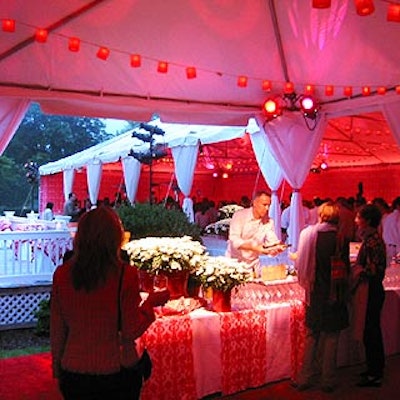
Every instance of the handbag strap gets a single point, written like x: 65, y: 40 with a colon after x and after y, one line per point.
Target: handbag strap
x: 121, y: 277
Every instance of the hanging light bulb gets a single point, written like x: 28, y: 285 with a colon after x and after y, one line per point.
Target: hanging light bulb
x: 242, y: 81
x: 324, y: 165
x: 8, y: 25
x: 103, y: 53
x: 191, y: 72
x: 136, y: 60
x: 41, y: 35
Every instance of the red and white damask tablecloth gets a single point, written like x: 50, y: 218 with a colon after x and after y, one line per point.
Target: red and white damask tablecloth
x: 204, y: 352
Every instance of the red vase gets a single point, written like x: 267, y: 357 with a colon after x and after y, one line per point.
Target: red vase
x: 221, y: 300
x: 177, y: 284
x: 146, y: 281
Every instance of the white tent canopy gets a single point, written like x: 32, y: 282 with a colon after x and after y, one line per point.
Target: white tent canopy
x: 262, y: 44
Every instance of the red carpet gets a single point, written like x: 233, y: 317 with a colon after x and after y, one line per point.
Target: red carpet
x: 28, y: 378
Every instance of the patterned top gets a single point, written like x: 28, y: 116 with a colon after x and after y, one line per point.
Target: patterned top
x: 372, y: 256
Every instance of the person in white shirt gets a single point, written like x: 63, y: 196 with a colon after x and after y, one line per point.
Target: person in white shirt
x: 252, y: 232
x: 48, y: 214
x: 391, y: 231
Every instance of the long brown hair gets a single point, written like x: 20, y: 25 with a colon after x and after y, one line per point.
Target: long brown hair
x: 96, y: 248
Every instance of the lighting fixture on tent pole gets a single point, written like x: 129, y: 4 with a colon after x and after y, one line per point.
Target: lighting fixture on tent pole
x: 290, y: 101
x: 154, y: 152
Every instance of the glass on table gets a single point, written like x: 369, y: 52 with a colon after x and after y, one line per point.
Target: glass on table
x: 160, y: 282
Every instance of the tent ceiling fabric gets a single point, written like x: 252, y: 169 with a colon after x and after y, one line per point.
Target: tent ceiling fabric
x: 222, y: 40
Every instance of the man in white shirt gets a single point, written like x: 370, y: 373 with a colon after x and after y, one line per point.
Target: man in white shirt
x: 391, y: 231
x: 251, y: 232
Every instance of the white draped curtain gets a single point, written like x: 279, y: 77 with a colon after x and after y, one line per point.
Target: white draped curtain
x: 294, y: 146
x: 93, y: 175
x: 12, y: 111
x: 271, y: 171
x: 68, y: 181
x: 185, y: 159
x: 131, y: 169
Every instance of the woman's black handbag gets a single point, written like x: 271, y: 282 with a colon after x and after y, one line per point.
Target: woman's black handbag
x: 145, y: 365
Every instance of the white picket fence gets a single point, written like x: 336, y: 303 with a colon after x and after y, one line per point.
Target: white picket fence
x: 27, y: 262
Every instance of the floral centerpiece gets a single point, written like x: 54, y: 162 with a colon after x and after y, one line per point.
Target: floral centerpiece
x: 228, y: 210
x: 173, y: 257
x: 167, y: 254
x: 221, y: 227
x: 223, y: 273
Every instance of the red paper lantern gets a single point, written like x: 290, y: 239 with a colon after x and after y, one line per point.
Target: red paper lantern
x: 162, y: 67
x: 381, y: 90
x: 309, y: 89
x: 8, y: 25
x: 266, y: 85
x: 364, y: 7
x: 288, y: 88
x: 398, y: 89
x: 74, y: 44
x: 103, y: 53
x: 366, y: 90
x: 191, y: 72
x: 393, y: 14
x: 136, y: 60
x: 321, y: 3
x: 242, y: 81
x: 41, y: 35
x: 348, y: 91
x: 329, y: 90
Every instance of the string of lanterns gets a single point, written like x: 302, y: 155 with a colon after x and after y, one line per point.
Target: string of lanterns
x: 363, y: 8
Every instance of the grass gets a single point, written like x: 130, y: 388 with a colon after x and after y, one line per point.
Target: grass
x: 23, y: 352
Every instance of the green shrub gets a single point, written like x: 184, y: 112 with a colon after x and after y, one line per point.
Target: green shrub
x: 144, y: 219
x: 43, y: 319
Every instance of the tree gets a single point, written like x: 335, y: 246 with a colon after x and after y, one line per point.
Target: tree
x: 43, y: 138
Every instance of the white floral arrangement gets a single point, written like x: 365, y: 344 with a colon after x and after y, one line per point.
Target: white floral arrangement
x: 223, y: 273
x: 219, y: 227
x: 168, y: 254
x: 230, y: 209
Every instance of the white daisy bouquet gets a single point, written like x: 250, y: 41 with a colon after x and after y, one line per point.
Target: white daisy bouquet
x: 223, y: 273
x: 168, y: 254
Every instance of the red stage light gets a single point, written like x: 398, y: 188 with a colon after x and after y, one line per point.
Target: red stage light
x: 308, y: 106
x: 103, y: 53
x: 364, y: 7
x: 191, y: 72
x: 162, y: 67
x: 8, y: 25
x: 136, y: 60
x: 271, y: 109
x: 74, y: 44
x: 41, y: 35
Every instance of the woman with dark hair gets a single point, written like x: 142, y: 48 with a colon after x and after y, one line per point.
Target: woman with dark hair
x: 96, y: 314
x: 322, y: 264
x: 368, y: 274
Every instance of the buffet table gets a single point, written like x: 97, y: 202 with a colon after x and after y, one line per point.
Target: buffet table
x: 260, y: 341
